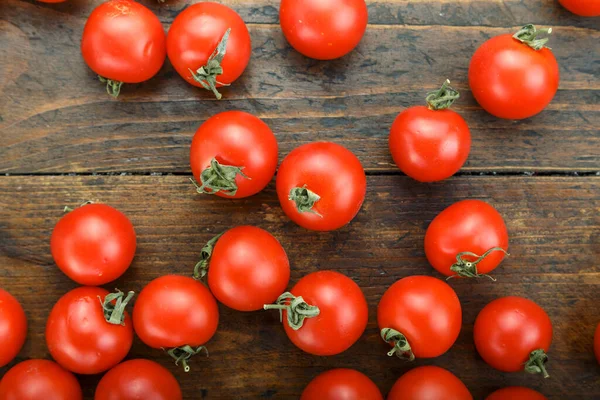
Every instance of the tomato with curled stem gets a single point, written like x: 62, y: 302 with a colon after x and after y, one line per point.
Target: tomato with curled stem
x: 324, y: 314
x: 583, y: 8
x: 234, y: 155
x: 516, y: 393
x: 13, y: 327
x: 430, y: 383
x: 341, y: 384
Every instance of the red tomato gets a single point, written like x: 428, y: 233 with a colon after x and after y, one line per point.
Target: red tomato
x: 177, y: 313
x: 341, y: 384
x: 325, y: 313
x: 209, y: 45
x: 597, y: 343
x: 39, y: 379
x: 233, y: 154
x: 420, y: 316
x: 511, y: 79
x: 93, y: 244
x: 321, y: 186
x: 584, y: 8
x: 431, y: 143
x: 513, y: 333
x: 247, y: 268
x: 516, y: 393
x: 323, y: 29
x: 467, y: 239
x: 13, y: 327
x: 429, y: 383
x: 85, y: 336
x: 138, y: 379
x: 123, y: 42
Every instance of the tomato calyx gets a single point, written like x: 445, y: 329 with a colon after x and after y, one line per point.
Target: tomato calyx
x: 207, y: 74
x: 401, y: 347
x: 468, y: 269
x: 184, y: 353
x: 528, y: 35
x: 296, y: 308
x: 305, y: 199
x: 68, y: 209
x: 113, y: 88
x: 443, y: 97
x: 201, y: 268
x: 219, y: 178
x: 114, y: 306
x: 536, y: 363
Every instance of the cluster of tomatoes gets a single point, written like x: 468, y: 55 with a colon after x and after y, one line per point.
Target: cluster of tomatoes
x: 320, y: 186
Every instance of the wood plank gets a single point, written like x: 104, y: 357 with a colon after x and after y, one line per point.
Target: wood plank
x: 554, y: 226
x: 56, y: 118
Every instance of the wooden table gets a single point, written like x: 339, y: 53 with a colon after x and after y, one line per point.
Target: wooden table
x: 65, y: 141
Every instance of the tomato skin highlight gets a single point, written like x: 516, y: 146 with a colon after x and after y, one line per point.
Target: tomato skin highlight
x: 429, y: 383
x: 124, y: 41
x: 323, y: 29
x: 597, y: 343
x: 511, y: 80
x: 39, y: 379
x: 341, y: 384
x: 583, y: 8
x: 516, y: 393
x: 138, y: 379
x: 508, y: 329
x: 429, y: 145
x: 239, y: 139
x: 94, y: 244
x: 13, y: 327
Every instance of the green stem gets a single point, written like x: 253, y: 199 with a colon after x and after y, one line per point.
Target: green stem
x: 207, y: 74
x: 113, y: 88
x: 468, y: 269
x: 401, y: 347
x: 114, y: 306
x: 443, y: 97
x: 305, y: 199
x: 219, y: 178
x: 536, y: 363
x: 528, y: 35
x: 85, y: 203
x: 296, y: 308
x: 201, y: 268
x: 184, y: 353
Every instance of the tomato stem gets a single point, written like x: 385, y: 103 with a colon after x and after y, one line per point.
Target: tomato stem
x: 296, y: 308
x: 401, y: 347
x: 443, y: 97
x: 305, y: 199
x: 528, y: 35
x: 184, y: 353
x: 114, y: 313
x: 68, y: 209
x: 207, y: 74
x: 468, y: 269
x: 536, y: 363
x: 219, y: 178
x: 113, y: 88
x: 201, y: 268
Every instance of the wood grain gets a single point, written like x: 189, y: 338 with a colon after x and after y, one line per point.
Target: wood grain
x: 554, y: 226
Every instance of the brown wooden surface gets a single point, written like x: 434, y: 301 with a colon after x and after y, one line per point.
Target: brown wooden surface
x: 67, y: 142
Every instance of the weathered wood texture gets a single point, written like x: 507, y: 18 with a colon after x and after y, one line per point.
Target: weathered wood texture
x: 56, y: 117
x: 555, y: 248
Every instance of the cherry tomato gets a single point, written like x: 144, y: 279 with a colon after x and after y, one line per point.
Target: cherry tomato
x: 513, y: 333
x: 516, y: 393
x: 39, y: 379
x: 321, y: 186
x: 583, y: 8
x: 93, y: 244
x: 177, y: 313
x: 431, y: 143
x: 209, y: 45
x: 341, y: 384
x: 89, y: 331
x: 514, y: 78
x: 325, y: 313
x: 467, y: 239
x: 233, y: 154
x: 138, y: 379
x: 597, y: 343
x: 123, y: 42
x: 429, y: 383
x: 13, y: 327
x: 420, y: 317
x: 323, y: 29
x: 247, y: 268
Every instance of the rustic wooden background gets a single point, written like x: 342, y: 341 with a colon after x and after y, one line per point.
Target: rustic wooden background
x: 65, y: 141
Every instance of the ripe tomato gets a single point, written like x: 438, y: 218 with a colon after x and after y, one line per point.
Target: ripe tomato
x: 420, y: 317
x: 584, y: 8
x: 514, y: 78
x: 123, y: 42
x: 247, y: 268
x: 89, y: 331
x: 516, y: 393
x: 325, y: 313
x: 323, y: 29
x: 321, y: 186
x: 233, y: 154
x: 138, y: 379
x: 177, y: 313
x: 209, y: 45
x: 429, y: 383
x: 93, y: 244
x: 431, y: 143
x: 341, y: 384
x: 13, y: 327
x: 39, y: 379
x: 467, y: 239
x: 597, y: 343
x: 513, y: 333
